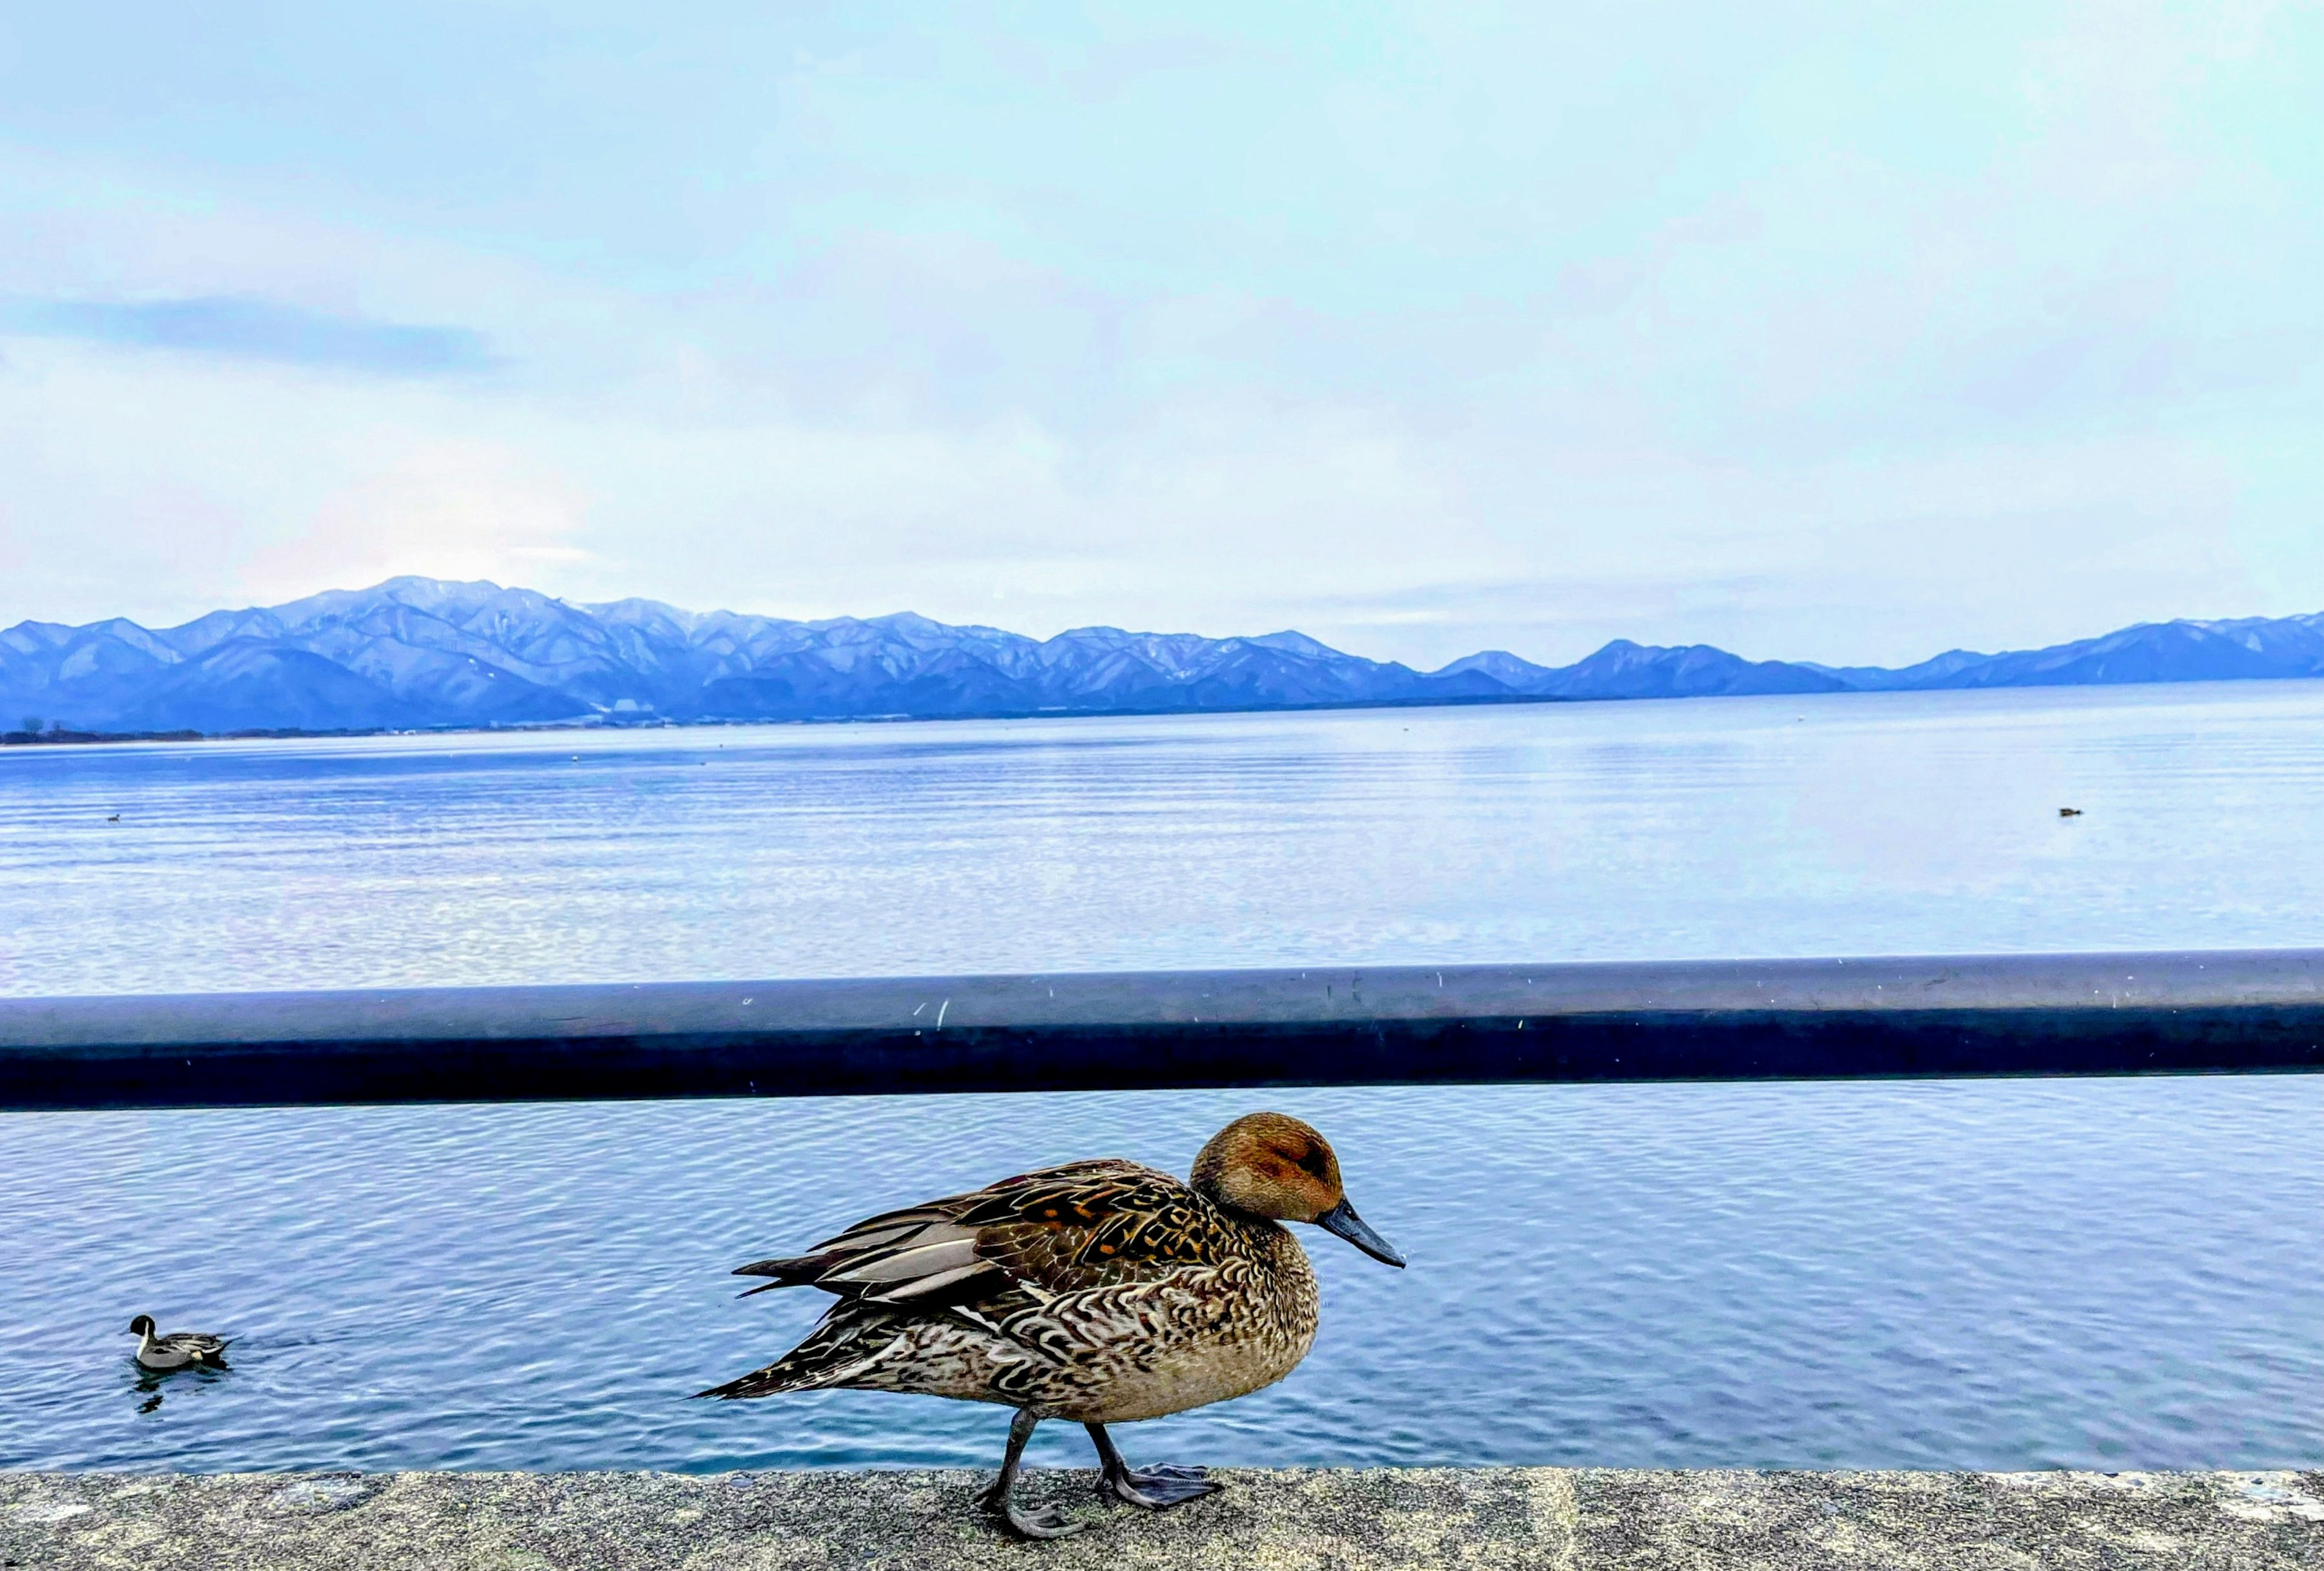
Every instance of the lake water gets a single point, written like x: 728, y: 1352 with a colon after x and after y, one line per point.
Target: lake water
x: 2101, y: 1273
x: 2108, y: 1273
x: 1855, y: 824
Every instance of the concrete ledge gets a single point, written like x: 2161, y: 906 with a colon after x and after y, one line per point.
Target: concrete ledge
x: 1581, y: 1519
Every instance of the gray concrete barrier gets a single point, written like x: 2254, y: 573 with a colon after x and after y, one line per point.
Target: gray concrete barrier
x: 1585, y: 1519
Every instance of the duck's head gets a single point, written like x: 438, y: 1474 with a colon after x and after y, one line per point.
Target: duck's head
x: 141, y: 1326
x: 1270, y: 1164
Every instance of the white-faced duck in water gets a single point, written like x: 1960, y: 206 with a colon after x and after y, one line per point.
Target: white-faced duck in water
x: 178, y: 1350
x: 1101, y: 1292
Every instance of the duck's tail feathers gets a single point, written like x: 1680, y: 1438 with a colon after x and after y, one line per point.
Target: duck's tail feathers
x: 770, y: 1382
x: 848, y: 1342
x: 798, y: 1271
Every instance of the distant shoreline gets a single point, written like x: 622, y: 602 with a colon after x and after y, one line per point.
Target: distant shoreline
x: 69, y: 738
x: 76, y: 738
x: 607, y: 723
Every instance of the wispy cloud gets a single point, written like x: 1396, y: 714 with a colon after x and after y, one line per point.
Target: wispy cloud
x: 1418, y: 329
x: 256, y: 329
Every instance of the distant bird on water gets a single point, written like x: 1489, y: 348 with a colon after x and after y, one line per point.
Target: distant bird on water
x: 1102, y: 1292
x: 178, y: 1350
x: 2069, y: 812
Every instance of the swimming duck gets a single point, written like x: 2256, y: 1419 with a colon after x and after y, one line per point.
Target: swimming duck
x: 1102, y: 1292
x: 178, y: 1350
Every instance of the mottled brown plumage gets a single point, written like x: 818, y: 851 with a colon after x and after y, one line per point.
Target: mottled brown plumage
x: 1099, y: 1291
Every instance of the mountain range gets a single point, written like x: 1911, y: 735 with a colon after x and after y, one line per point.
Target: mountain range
x: 418, y: 652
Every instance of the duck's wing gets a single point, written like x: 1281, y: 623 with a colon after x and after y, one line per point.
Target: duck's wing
x: 1083, y: 1224
x: 1091, y: 1225
x: 191, y: 1344
x: 980, y: 1295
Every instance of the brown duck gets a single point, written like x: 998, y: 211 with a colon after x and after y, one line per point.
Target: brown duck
x: 1102, y: 1292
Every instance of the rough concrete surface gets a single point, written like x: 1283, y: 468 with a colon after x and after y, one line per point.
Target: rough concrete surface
x: 1581, y: 1519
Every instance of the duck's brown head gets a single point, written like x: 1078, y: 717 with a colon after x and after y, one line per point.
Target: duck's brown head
x: 141, y: 1326
x: 1271, y: 1164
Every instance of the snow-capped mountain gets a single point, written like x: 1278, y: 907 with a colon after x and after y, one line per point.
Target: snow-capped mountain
x: 424, y: 652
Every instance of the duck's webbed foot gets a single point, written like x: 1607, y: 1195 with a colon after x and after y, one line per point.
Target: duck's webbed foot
x: 1047, y: 1521
x: 1158, y: 1487
x: 1042, y: 1523
x: 1154, y: 1488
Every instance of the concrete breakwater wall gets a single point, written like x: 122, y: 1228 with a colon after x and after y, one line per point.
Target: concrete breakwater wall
x: 1576, y: 1519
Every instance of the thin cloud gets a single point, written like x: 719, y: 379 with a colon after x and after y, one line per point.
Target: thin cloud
x: 257, y: 329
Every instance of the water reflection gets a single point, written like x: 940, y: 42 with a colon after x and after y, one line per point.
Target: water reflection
x: 155, y: 1384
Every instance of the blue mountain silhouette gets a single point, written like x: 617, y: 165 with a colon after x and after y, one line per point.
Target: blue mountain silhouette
x: 423, y: 652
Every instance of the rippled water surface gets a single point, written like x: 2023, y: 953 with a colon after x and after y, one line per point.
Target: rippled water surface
x: 2098, y: 1273
x: 2108, y: 1273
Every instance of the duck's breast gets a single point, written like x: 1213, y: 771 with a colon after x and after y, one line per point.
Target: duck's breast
x: 1203, y: 1337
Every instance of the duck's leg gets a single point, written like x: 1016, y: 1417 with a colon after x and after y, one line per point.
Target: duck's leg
x: 1162, y: 1484
x: 1048, y: 1522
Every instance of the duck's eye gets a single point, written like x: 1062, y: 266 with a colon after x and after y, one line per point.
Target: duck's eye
x: 1313, y: 1161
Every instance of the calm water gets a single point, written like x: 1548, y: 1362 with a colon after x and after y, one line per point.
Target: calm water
x: 1854, y: 825
x: 2111, y: 1273
x: 2105, y: 1273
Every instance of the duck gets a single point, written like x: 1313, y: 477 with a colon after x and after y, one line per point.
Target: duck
x: 1097, y: 1292
x: 179, y: 1349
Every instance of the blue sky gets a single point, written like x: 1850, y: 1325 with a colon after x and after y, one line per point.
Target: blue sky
x: 1842, y: 332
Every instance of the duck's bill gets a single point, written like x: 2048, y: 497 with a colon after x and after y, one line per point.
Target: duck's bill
x: 1343, y: 1220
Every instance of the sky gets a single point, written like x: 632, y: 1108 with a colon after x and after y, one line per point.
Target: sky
x: 1844, y: 332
